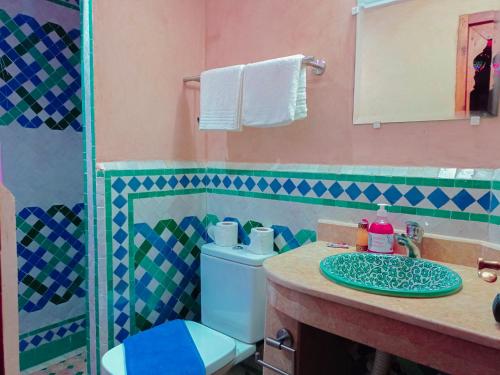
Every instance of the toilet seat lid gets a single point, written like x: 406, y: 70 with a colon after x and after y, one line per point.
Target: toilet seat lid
x: 216, y: 350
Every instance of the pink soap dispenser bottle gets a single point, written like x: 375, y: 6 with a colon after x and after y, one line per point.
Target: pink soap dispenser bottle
x: 381, y: 233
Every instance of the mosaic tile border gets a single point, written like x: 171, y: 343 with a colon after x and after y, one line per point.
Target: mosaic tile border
x: 53, y: 332
x: 120, y: 193
x: 51, y: 350
x: 445, y: 198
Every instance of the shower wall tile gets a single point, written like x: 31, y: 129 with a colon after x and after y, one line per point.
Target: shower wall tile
x: 51, y: 254
x: 41, y: 137
x: 40, y: 74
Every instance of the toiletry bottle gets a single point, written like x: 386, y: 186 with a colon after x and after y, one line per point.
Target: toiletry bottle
x: 362, y: 236
x: 381, y: 233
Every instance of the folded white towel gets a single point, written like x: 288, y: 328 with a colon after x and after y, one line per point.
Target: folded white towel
x: 274, y: 92
x: 220, y: 98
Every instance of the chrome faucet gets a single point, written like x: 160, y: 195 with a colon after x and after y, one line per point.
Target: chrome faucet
x: 412, y: 239
x: 483, y: 265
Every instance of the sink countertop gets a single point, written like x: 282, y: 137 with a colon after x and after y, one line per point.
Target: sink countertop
x: 466, y: 314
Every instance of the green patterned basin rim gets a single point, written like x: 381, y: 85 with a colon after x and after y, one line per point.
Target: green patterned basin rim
x: 391, y: 275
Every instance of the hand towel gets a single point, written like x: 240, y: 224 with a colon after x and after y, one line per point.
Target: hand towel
x: 220, y: 99
x: 164, y: 349
x: 274, y: 92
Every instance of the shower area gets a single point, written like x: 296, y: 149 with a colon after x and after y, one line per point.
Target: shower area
x: 41, y: 158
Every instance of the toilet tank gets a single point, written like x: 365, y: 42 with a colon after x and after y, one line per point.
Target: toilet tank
x: 233, y: 291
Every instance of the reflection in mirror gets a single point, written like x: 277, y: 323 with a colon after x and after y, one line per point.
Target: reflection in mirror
x: 423, y: 60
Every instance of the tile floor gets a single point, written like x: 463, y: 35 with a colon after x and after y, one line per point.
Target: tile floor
x: 71, y: 366
x: 76, y: 366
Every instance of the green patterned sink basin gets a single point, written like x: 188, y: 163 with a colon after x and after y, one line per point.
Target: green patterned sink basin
x: 391, y: 275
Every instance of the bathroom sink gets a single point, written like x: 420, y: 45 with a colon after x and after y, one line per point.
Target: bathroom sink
x: 391, y: 275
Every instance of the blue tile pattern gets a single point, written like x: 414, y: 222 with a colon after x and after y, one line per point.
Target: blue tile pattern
x: 39, y: 74
x: 166, y: 262
x: 120, y: 189
x: 166, y: 274
x: 471, y: 200
x: 50, y: 256
x: 284, y: 238
x: 135, y: 305
x: 44, y: 336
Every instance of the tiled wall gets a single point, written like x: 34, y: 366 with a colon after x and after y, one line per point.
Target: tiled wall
x: 446, y: 201
x: 152, y: 220
x: 41, y: 138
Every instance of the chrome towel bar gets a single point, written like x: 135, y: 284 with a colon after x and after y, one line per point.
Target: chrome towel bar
x: 318, y: 65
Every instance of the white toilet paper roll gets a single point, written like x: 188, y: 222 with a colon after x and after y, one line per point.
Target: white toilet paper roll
x: 261, y: 240
x: 224, y: 233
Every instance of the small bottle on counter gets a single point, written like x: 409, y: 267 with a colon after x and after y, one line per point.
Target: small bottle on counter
x: 362, y: 236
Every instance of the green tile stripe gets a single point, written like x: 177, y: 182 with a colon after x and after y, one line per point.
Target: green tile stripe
x: 397, y: 180
x: 157, y: 194
x: 52, y: 326
x: 109, y: 261
x: 46, y: 352
x: 410, y: 181
x: 89, y: 168
x: 65, y: 4
x: 495, y: 220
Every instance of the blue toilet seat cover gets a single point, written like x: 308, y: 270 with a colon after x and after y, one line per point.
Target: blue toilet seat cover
x: 216, y: 350
x: 165, y: 349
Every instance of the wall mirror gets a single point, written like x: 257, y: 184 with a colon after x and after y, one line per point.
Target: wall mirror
x: 425, y: 60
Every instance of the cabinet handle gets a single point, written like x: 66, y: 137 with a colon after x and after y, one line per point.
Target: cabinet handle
x: 283, y: 341
x: 276, y: 344
x: 268, y: 366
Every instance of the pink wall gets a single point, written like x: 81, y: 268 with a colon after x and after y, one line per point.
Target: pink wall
x: 254, y: 30
x: 8, y: 283
x: 142, y: 49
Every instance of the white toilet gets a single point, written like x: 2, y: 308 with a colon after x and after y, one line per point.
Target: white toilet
x: 233, y: 301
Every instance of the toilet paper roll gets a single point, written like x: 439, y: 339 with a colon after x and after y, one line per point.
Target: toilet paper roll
x: 224, y: 233
x: 261, y: 240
